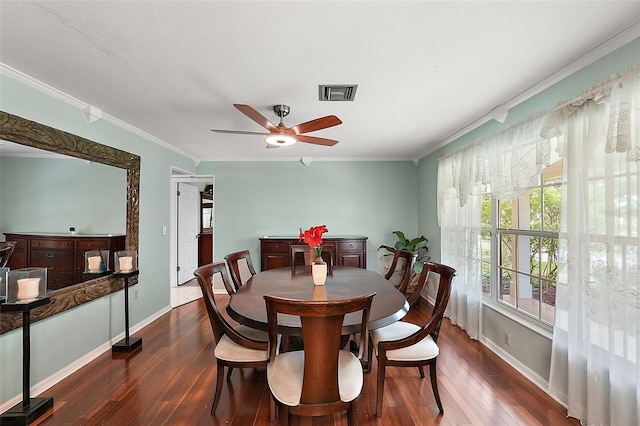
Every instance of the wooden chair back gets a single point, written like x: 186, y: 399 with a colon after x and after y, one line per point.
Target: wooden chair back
x: 432, y: 326
x: 6, y: 250
x: 234, y: 261
x: 302, y: 256
x: 219, y: 323
x: 416, y: 284
x: 404, y: 260
x: 321, y: 334
x: 445, y: 282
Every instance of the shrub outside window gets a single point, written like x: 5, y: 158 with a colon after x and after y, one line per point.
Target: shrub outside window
x: 524, y: 270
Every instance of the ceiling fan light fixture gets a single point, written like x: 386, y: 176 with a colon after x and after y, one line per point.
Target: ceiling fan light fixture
x: 280, y: 140
x: 282, y: 135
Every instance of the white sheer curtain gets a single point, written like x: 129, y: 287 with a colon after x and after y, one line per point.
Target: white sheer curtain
x: 460, y: 245
x: 597, y: 332
x: 594, y: 366
x: 506, y: 164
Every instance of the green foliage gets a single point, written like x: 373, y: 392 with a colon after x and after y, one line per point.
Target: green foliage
x: 544, y: 215
x: 416, y: 245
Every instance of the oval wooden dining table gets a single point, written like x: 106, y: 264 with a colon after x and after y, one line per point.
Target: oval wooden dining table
x: 247, y: 305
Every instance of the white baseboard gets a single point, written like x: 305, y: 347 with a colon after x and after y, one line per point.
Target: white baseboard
x: 65, y: 372
x: 521, y: 368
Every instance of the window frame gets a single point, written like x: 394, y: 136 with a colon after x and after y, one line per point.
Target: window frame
x: 495, y: 233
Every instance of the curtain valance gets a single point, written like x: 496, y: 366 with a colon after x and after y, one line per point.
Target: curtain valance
x: 508, y: 162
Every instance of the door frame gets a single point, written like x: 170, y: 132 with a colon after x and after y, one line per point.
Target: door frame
x: 179, y: 175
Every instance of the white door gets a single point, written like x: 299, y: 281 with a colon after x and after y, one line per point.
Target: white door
x: 188, y: 230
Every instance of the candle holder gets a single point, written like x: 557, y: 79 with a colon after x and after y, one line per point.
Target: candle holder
x: 126, y: 266
x: 26, y: 285
x: 125, y: 261
x: 96, y: 261
x: 22, y: 285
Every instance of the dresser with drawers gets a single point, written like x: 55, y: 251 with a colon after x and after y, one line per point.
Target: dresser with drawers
x: 62, y: 255
x: 275, y: 252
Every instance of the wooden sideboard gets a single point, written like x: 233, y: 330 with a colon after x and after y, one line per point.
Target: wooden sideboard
x: 205, y: 237
x: 62, y: 255
x: 205, y: 247
x: 275, y: 252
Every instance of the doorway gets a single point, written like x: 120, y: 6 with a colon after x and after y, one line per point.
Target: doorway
x: 188, y: 197
x: 186, y: 216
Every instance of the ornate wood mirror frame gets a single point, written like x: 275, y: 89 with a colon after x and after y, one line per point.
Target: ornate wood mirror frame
x: 25, y: 132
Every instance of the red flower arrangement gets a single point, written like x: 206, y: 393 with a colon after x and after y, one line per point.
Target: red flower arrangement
x: 313, y: 237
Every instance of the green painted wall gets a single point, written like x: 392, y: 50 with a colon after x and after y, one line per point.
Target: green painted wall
x: 60, y: 340
x: 254, y: 199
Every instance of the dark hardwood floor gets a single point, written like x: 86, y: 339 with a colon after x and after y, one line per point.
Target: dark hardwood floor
x: 170, y: 381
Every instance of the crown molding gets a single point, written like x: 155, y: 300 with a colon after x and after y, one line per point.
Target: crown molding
x: 609, y: 46
x: 315, y: 159
x: 84, y: 107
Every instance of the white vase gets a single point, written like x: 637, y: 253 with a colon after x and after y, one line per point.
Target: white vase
x: 319, y: 273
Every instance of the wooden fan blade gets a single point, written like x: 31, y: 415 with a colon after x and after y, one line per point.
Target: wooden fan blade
x: 238, y: 132
x: 250, y: 112
x: 317, y: 124
x: 316, y: 140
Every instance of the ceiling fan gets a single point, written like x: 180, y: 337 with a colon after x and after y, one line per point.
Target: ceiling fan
x: 281, y: 135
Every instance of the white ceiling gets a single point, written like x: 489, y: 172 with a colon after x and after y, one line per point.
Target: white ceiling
x: 424, y: 69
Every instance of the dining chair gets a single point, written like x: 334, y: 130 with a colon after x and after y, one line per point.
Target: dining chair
x: 403, y: 344
x: 236, y: 346
x: 320, y: 379
x: 235, y: 261
x: 6, y: 250
x: 304, y: 255
x: 402, y: 263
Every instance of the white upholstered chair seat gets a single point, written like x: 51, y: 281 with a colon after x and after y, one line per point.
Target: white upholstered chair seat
x: 229, y: 350
x: 424, y: 349
x: 284, y: 376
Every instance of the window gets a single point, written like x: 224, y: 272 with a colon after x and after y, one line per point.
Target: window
x: 519, y: 247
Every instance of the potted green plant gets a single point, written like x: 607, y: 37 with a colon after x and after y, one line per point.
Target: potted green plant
x: 416, y: 245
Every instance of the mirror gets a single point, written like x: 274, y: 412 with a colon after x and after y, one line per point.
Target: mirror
x: 62, y: 193
x: 25, y: 132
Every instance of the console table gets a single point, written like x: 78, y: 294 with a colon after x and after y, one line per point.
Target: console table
x: 61, y: 254
x: 350, y: 250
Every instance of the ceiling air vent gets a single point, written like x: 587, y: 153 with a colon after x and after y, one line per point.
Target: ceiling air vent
x: 337, y: 92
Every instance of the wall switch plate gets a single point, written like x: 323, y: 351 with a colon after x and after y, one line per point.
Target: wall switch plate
x: 164, y: 229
